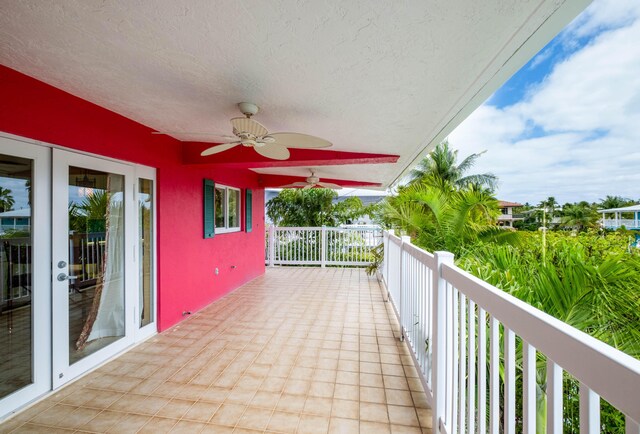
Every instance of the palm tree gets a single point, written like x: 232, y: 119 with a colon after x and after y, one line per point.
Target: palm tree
x: 441, y: 219
x: 6, y: 200
x: 442, y: 164
x: 614, y: 202
x: 579, y: 216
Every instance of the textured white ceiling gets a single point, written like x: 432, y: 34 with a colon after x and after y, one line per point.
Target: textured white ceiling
x: 370, y: 76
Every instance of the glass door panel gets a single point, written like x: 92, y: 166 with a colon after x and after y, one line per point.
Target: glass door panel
x: 145, y: 247
x: 25, y: 282
x: 96, y: 260
x: 16, y: 266
x: 93, y: 287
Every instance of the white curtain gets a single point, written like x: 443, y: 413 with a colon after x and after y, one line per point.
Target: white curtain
x: 110, y: 318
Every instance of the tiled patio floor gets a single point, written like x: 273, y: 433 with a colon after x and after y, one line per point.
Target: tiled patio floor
x: 298, y: 350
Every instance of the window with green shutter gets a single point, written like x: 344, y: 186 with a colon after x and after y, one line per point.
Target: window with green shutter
x: 209, y: 192
x: 248, y: 212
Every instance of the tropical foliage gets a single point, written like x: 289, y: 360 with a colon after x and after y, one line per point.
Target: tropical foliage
x: 583, y: 277
x: 313, y: 207
x: 6, y: 200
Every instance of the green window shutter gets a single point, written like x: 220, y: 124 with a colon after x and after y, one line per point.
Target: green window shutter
x: 248, y: 210
x: 209, y: 193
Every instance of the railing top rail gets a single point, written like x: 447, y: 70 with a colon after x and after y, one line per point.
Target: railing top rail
x: 427, y: 258
x: 395, y: 239
x: 609, y: 372
x: 328, y: 228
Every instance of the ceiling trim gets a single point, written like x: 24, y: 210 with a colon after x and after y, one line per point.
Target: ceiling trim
x: 242, y: 157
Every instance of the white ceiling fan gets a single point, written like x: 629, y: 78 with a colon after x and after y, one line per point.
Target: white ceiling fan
x: 311, y: 182
x: 253, y: 134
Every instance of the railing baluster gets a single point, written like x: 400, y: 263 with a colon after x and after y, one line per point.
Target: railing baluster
x: 494, y: 377
x: 471, y: 388
x: 462, y: 393
x: 589, y: 411
x: 509, y: 381
x: 455, y: 360
x: 482, y: 371
x: 529, y: 388
x: 554, y: 397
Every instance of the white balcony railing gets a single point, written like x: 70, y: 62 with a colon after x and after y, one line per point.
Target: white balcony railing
x: 455, y: 325
x: 616, y: 223
x: 321, y: 246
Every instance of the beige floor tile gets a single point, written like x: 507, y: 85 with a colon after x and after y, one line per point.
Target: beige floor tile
x: 372, y: 394
x: 373, y: 412
x: 367, y: 427
x: 403, y: 429
x: 129, y: 423
x: 267, y: 400
x: 283, y: 422
x: 310, y: 424
x: 318, y: 406
x: 290, y: 403
x: 346, y: 409
x: 399, y: 415
x: 255, y: 418
x: 201, y: 411
x: 187, y: 427
x: 399, y: 397
x: 228, y: 414
x: 158, y: 425
x: 343, y: 426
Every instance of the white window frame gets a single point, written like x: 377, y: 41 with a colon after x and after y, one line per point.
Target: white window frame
x: 226, y: 229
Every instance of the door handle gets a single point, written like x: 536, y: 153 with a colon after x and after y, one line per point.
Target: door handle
x: 62, y: 277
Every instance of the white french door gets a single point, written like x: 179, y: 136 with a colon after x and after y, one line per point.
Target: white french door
x: 25, y: 285
x: 77, y: 265
x: 94, y: 269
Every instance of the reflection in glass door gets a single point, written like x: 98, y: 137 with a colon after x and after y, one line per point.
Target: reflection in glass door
x: 96, y: 260
x: 16, y: 267
x: 25, y: 288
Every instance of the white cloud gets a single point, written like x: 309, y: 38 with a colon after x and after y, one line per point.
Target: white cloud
x: 585, y: 115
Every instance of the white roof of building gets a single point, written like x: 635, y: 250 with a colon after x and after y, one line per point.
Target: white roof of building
x: 631, y: 208
x: 26, y: 212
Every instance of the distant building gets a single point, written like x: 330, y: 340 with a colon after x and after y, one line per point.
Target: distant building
x: 15, y: 220
x: 614, y: 218
x: 507, y: 216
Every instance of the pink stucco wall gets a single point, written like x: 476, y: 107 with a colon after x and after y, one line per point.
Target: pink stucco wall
x: 186, y: 261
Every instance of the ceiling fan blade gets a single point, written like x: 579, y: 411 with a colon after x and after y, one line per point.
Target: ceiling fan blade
x: 308, y: 186
x: 329, y: 185
x: 297, y: 140
x: 295, y: 185
x: 273, y: 151
x: 219, y: 148
x: 194, y: 133
x: 248, y: 125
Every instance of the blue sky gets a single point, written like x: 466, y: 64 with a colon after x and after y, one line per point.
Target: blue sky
x: 566, y: 124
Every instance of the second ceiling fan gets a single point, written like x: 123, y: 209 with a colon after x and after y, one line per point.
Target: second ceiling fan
x: 312, y: 182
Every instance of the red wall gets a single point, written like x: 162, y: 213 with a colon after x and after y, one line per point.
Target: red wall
x: 186, y: 261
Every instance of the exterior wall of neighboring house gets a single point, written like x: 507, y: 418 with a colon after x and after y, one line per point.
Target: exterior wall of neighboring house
x: 186, y: 261
x: 507, y: 217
